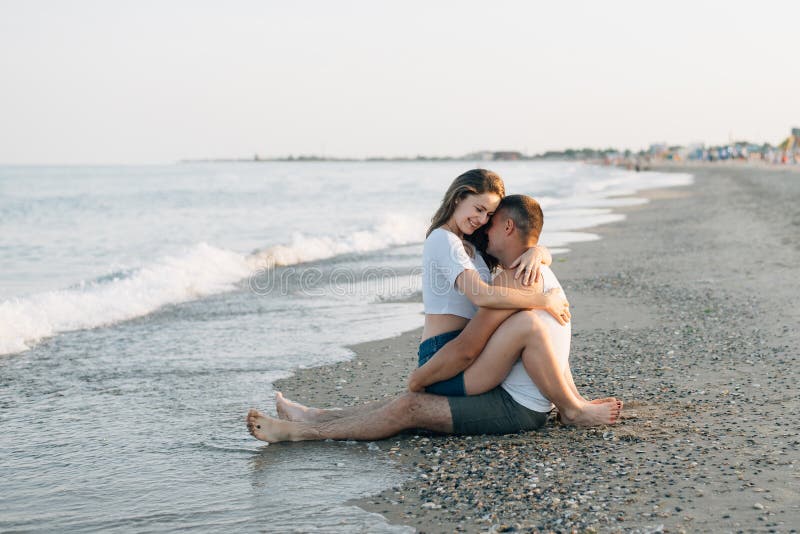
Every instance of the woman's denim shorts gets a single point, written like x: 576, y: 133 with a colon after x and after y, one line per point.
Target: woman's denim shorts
x: 452, y: 387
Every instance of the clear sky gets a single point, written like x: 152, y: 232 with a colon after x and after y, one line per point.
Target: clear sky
x: 144, y: 81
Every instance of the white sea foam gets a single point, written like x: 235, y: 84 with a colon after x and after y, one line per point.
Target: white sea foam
x: 393, y: 231
x: 203, y: 270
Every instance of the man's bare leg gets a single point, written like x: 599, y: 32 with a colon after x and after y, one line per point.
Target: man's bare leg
x: 290, y: 410
x: 294, y: 411
x: 525, y: 335
x: 410, y: 410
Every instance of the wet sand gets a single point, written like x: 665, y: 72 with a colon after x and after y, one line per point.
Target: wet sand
x: 688, y: 311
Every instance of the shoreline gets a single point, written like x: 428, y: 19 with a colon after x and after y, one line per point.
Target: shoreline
x: 692, y: 165
x: 667, y: 316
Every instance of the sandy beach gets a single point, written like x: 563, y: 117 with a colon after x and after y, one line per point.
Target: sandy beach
x: 687, y: 311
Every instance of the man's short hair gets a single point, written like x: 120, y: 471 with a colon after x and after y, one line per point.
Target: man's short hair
x: 526, y: 214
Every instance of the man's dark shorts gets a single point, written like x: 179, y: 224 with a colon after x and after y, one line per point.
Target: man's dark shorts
x: 493, y: 412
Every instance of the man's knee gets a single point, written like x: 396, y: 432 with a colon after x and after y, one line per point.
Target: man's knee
x: 407, y: 406
x: 420, y: 409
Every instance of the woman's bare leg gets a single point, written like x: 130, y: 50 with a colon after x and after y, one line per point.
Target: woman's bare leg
x: 525, y: 335
x: 503, y: 349
x: 574, y: 388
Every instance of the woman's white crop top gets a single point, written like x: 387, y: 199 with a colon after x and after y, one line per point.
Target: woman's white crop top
x: 443, y: 259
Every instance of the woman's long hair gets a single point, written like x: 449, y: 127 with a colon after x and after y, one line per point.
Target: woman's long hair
x: 474, y: 182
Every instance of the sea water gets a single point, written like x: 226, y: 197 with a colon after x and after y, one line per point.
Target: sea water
x: 144, y: 309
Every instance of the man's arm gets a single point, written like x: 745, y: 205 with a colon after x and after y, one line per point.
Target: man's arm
x: 459, y: 353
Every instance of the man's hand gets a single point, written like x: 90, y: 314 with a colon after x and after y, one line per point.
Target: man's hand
x: 557, y: 305
x: 529, y: 265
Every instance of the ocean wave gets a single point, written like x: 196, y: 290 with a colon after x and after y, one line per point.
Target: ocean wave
x: 393, y: 231
x: 202, y: 271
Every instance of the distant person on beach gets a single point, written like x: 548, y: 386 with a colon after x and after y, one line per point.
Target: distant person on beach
x: 473, y: 387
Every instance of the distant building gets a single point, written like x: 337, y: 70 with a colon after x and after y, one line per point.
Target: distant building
x: 506, y: 156
x: 792, y: 142
x: 483, y: 155
x: 696, y: 151
x: 790, y: 148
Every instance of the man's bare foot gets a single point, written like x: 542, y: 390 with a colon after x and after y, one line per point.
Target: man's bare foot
x: 266, y: 428
x: 293, y: 411
x: 605, y: 412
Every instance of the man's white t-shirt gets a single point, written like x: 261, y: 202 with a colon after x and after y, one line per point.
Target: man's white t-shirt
x: 518, y: 384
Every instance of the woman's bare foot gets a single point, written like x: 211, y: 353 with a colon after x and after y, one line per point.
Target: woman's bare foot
x: 604, y: 412
x: 607, y: 399
x: 266, y: 428
x: 293, y: 411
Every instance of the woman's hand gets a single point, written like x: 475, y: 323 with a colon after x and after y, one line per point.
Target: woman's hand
x: 414, y: 384
x: 530, y: 263
x: 556, y: 304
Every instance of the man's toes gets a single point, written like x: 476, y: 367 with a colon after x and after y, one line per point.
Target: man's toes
x: 252, y: 420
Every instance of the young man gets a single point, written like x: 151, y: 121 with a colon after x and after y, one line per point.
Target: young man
x: 529, y: 377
